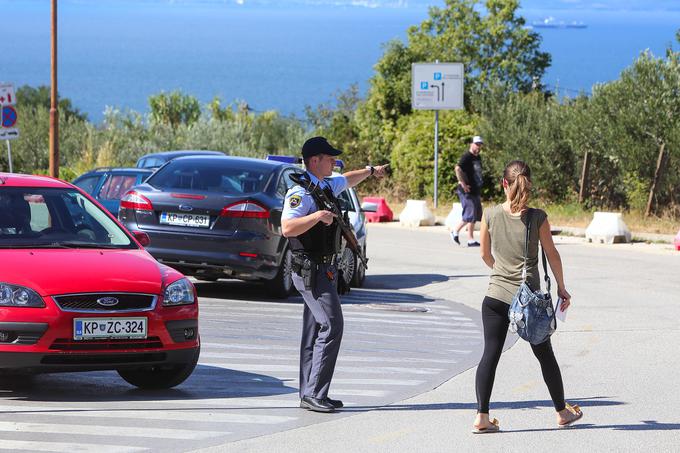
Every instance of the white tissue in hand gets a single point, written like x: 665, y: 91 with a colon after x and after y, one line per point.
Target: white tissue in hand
x: 559, y: 314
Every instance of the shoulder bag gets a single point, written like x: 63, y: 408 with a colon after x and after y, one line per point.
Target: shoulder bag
x: 531, y: 313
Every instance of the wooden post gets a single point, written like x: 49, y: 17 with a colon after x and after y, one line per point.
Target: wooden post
x: 582, y: 193
x: 54, y: 111
x: 660, y: 163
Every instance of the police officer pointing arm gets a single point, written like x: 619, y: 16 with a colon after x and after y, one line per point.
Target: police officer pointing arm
x: 315, y: 239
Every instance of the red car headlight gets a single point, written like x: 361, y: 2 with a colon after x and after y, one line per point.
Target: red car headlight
x: 19, y: 296
x: 180, y: 292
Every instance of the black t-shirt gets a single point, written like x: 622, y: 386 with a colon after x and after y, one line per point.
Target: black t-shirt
x: 472, y: 168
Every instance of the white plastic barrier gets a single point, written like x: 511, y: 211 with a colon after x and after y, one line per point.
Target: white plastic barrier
x: 415, y: 214
x: 455, y: 216
x: 607, y: 228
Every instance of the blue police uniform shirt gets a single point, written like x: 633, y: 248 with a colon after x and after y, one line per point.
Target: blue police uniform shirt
x: 299, y: 202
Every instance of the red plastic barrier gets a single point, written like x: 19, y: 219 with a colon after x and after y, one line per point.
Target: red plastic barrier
x: 677, y: 241
x: 383, y: 212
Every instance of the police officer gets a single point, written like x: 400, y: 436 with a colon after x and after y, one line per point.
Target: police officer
x: 315, y: 236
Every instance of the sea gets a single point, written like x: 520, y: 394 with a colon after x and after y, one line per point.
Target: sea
x: 116, y: 53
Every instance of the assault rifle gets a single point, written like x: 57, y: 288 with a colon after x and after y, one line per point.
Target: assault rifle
x: 325, y: 203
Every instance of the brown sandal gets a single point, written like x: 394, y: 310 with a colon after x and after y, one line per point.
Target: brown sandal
x: 493, y: 428
x: 576, y: 413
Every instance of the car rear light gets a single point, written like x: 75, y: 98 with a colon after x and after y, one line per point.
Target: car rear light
x: 134, y: 200
x: 245, y: 209
x: 188, y: 196
x: 143, y: 238
x: 248, y: 255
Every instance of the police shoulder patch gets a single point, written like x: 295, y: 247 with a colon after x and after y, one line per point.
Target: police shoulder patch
x: 294, y: 201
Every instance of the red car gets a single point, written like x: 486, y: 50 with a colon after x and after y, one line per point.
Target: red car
x: 78, y: 292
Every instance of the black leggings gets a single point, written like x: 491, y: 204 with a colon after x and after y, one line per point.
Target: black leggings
x: 495, y: 320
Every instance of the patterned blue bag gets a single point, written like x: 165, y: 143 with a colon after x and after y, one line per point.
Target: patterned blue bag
x: 531, y: 314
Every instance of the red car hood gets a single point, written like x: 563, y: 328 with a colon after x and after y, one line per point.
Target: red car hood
x: 51, y: 272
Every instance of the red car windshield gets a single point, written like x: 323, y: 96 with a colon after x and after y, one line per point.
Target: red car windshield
x: 55, y: 218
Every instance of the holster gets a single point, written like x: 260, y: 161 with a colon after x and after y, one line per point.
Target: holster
x: 305, y: 268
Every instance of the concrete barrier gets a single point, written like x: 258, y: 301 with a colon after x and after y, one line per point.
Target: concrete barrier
x: 676, y: 242
x: 415, y: 214
x: 607, y: 228
x: 382, y: 213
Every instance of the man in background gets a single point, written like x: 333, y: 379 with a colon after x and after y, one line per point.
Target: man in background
x: 469, y: 174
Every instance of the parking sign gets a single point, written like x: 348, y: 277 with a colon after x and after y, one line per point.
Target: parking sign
x: 437, y: 86
x: 8, y: 113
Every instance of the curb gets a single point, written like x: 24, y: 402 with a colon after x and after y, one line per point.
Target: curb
x: 581, y: 232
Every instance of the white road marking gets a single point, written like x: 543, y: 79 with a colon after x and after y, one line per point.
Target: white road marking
x: 107, y: 430
x: 66, y: 447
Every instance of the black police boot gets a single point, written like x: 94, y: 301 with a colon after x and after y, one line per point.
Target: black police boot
x: 316, y: 404
x: 335, y: 403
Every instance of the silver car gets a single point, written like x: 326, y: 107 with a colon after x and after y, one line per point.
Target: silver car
x: 352, y: 267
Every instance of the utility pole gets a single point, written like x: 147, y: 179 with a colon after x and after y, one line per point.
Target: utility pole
x: 54, y: 111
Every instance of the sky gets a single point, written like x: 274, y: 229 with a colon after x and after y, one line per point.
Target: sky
x: 590, y: 5
x: 601, y: 5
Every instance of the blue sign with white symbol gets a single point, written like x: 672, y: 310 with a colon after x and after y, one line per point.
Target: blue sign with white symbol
x: 437, y: 76
x: 79, y: 328
x: 423, y: 85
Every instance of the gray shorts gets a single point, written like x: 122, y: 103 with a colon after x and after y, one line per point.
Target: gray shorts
x: 472, y: 206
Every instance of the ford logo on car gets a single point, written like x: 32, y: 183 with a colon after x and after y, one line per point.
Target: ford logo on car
x: 185, y: 208
x: 107, y: 301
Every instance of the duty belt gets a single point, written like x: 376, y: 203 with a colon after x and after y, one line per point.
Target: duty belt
x: 318, y: 259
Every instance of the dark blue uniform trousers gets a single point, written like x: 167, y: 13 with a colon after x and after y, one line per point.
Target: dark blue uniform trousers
x: 322, y: 326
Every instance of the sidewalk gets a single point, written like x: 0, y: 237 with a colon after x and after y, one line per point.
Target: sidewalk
x: 617, y: 352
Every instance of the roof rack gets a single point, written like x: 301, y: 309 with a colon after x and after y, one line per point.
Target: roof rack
x: 296, y: 160
x: 119, y: 168
x: 285, y: 159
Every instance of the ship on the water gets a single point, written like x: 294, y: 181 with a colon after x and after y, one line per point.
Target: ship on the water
x: 550, y: 22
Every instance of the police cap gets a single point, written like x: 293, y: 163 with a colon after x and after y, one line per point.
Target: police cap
x: 318, y: 145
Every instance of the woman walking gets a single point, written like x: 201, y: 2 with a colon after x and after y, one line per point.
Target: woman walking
x: 502, y: 236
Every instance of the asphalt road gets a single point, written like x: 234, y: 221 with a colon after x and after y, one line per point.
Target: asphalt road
x: 398, y: 344
x: 407, y: 376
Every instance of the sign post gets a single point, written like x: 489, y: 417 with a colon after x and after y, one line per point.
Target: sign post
x: 54, y: 106
x: 8, y: 118
x: 437, y: 86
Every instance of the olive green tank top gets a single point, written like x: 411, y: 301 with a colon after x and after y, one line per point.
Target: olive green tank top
x: 508, y: 232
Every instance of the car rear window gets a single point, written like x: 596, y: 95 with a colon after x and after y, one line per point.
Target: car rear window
x: 224, y: 176
x: 151, y: 162
x: 87, y: 183
x: 116, y: 185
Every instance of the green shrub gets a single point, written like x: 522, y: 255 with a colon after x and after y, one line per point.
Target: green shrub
x: 413, y: 156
